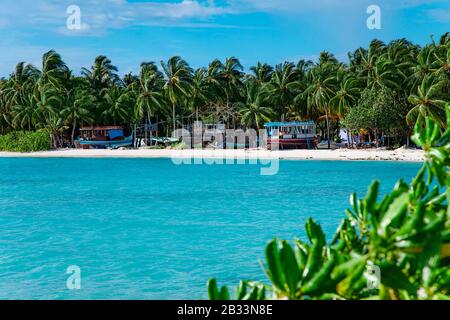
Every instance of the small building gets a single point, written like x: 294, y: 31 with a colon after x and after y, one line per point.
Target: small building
x: 292, y: 135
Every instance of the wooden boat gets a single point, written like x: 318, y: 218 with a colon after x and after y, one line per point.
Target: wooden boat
x: 103, y: 137
x: 165, y: 140
x: 113, y: 144
x: 291, y: 135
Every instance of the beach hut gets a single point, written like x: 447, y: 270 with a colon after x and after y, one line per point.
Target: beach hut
x: 291, y: 135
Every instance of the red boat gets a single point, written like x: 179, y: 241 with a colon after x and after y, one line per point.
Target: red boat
x: 291, y: 135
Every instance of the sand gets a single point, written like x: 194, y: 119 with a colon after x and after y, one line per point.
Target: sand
x: 341, y: 154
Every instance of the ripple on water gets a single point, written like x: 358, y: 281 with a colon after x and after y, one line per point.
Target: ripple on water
x: 147, y: 229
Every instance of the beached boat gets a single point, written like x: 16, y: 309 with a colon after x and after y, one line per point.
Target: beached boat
x: 166, y: 140
x: 126, y: 142
x: 103, y: 137
x: 324, y: 145
x: 291, y: 135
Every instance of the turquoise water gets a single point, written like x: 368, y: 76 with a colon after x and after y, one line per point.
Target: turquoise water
x: 148, y: 229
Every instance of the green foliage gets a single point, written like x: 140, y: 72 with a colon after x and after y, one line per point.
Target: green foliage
x: 402, y: 81
x: 25, y: 141
x: 405, y: 235
x: 253, y: 112
x: 379, y: 109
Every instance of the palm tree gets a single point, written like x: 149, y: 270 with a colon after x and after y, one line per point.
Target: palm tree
x: 212, y: 78
x: 54, y: 70
x: 423, y: 66
x: 363, y: 61
x: 403, y: 54
x: 230, y: 78
x: 282, y: 89
x: 303, y: 66
x: 442, y: 62
x: 16, y: 89
x: 321, y: 89
x: 253, y: 112
x: 427, y: 101
x: 48, y: 102
x: 24, y: 109
x: 120, y: 105
x: 384, y: 74
x: 445, y: 39
x: 4, y: 109
x: 327, y: 58
x: 199, y: 91
x: 24, y: 114
x: 347, y: 94
x: 101, y: 76
x: 102, y: 73
x: 262, y: 72
x: 129, y: 79
x: 214, y: 88
x: 79, y: 109
x: 178, y: 76
x: 149, y: 94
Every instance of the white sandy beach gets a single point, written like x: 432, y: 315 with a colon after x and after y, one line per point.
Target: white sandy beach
x: 341, y: 154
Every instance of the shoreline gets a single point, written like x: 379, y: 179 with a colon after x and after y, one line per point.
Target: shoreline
x: 402, y: 155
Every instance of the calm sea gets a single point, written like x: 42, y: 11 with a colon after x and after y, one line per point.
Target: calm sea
x: 149, y: 229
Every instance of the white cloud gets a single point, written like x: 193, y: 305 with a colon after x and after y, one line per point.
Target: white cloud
x: 292, y: 5
x: 416, y: 3
x: 101, y: 15
x: 98, y: 16
x: 305, y: 6
x: 440, y: 15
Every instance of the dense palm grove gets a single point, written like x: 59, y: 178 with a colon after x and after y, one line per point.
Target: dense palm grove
x: 380, y: 91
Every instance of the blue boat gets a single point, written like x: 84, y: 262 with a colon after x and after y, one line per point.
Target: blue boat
x: 103, y: 137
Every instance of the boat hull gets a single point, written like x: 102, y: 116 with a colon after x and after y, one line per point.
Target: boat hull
x: 292, y: 143
x: 113, y: 144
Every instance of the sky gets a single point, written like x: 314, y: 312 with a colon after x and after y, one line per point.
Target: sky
x: 272, y: 31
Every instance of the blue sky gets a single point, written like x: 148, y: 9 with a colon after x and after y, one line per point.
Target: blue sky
x: 272, y: 31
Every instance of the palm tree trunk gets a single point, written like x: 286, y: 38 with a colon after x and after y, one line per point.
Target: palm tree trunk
x: 228, y: 102
x: 74, y: 124
x: 349, y: 138
x: 328, y: 128
x: 173, y: 116
x: 376, y: 137
x: 55, y: 140
x: 146, y: 126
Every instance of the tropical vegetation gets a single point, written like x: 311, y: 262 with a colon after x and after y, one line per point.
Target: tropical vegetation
x: 23, y: 141
x: 395, y: 247
x: 394, y: 83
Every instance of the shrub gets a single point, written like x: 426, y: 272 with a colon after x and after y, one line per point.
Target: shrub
x: 405, y: 236
x: 381, y: 111
x: 25, y: 141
